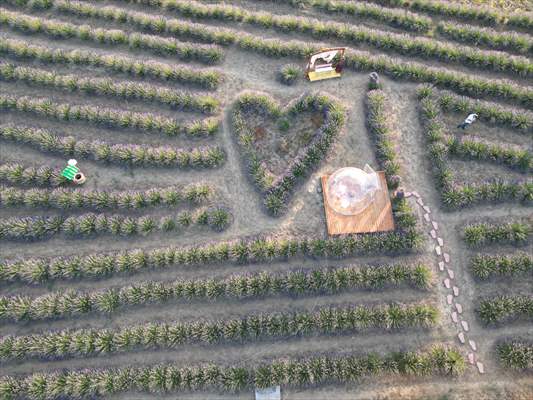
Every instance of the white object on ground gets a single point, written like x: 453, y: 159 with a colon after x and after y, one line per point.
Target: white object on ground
x: 435, y: 225
x: 441, y: 265
x: 461, y: 337
x: 449, y: 299
x: 407, y: 194
x: 438, y: 250
x: 480, y: 367
x: 426, y: 217
x: 459, y: 308
x: 72, y: 162
x: 433, y: 233
x: 419, y: 201
x: 450, y: 273
x: 465, y: 325
x: 440, y: 241
x: 455, y: 291
x: 447, y: 283
x: 446, y: 257
x: 416, y: 194
x: 351, y: 190
x: 270, y: 393
x: 426, y: 209
x: 471, y: 358
x: 471, y: 118
x: 472, y: 345
x: 454, y: 317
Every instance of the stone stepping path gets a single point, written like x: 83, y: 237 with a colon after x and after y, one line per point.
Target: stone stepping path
x: 448, y: 281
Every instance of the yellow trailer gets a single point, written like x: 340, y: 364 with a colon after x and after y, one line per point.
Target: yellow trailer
x: 325, y: 64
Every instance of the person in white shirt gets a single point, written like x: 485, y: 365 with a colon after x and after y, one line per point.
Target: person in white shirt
x: 468, y: 121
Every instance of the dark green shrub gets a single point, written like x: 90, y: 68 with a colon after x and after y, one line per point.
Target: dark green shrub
x: 175, y: 379
x: 242, y: 286
x: 289, y: 74
x: 484, y: 234
x: 38, y: 228
x: 131, y: 155
x: 505, y: 309
x: 378, y: 112
x: 327, y: 320
x: 277, y: 189
x: 68, y: 199
x: 113, y: 63
x: 485, y: 266
x: 517, y: 355
x: 107, y: 117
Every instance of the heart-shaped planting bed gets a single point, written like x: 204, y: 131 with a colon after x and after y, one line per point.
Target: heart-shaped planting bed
x: 282, y: 145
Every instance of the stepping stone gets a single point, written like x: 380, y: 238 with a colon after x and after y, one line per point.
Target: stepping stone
x: 455, y: 291
x: 440, y: 241
x: 454, y: 317
x: 472, y: 345
x: 461, y: 337
x: 480, y: 367
x: 438, y: 250
x: 441, y: 265
x: 446, y: 257
x: 471, y: 358
x: 464, y: 325
x: 449, y: 299
x: 459, y: 308
x: 419, y: 201
x: 407, y: 194
x: 426, y: 209
x: 433, y: 233
x: 416, y: 194
x: 450, y: 273
x: 435, y: 225
x: 447, y: 283
x: 426, y: 217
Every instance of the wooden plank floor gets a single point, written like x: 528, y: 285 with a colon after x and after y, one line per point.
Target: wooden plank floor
x: 376, y: 218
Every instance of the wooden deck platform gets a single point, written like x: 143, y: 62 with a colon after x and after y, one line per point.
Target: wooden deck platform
x: 376, y: 218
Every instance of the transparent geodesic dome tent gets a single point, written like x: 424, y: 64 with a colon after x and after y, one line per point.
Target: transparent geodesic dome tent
x: 352, y: 190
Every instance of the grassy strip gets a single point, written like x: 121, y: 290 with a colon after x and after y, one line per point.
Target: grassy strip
x: 129, y: 200
x: 131, y: 155
x: 505, y: 309
x: 485, y: 234
x: 111, y: 63
x: 330, y: 320
x: 464, y: 12
x: 493, y: 192
x: 456, y: 196
x: 484, y: 266
x: 174, y: 379
x: 111, y: 37
x: 475, y: 150
x: 489, y: 112
x: 362, y: 61
x: 18, y: 174
x: 278, y: 188
x: 402, y: 44
x: 240, y: 286
x: 506, y: 41
x: 516, y: 355
x: 378, y: 117
x: 108, y: 117
x: 110, y: 87
x: 38, y: 271
x: 39, y: 228
x: 392, y: 17
x: 395, y: 18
